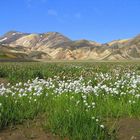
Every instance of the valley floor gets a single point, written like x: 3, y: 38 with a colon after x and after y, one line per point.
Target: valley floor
x: 70, y: 101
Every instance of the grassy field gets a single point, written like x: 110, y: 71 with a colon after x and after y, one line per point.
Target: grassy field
x: 77, y: 100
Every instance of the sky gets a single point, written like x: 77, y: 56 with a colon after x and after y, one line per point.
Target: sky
x: 97, y: 20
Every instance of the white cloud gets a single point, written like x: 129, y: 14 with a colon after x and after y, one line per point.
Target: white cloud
x: 78, y: 15
x: 43, y: 1
x: 30, y: 3
x: 52, y: 12
x: 97, y: 11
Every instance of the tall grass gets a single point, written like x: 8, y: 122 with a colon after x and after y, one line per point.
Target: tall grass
x: 77, y: 99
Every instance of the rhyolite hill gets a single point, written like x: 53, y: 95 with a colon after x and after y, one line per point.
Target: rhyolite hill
x: 55, y: 46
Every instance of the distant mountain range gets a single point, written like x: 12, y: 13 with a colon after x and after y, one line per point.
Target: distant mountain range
x: 55, y: 46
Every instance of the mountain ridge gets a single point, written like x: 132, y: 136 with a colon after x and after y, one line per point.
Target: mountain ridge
x: 53, y: 45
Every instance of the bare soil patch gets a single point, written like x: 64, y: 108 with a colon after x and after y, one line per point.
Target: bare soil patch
x: 27, y: 131
x: 3, y: 80
x: 129, y: 129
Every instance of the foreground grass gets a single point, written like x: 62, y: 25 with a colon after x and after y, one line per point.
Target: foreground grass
x: 77, y: 99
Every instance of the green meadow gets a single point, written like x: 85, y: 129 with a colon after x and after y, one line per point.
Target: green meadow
x: 76, y: 100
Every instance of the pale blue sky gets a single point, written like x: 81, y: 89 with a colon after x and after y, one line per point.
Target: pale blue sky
x: 99, y: 20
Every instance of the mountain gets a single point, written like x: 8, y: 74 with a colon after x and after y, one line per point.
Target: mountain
x: 53, y: 45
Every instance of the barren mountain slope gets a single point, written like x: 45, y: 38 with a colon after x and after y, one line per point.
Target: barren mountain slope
x: 53, y: 45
